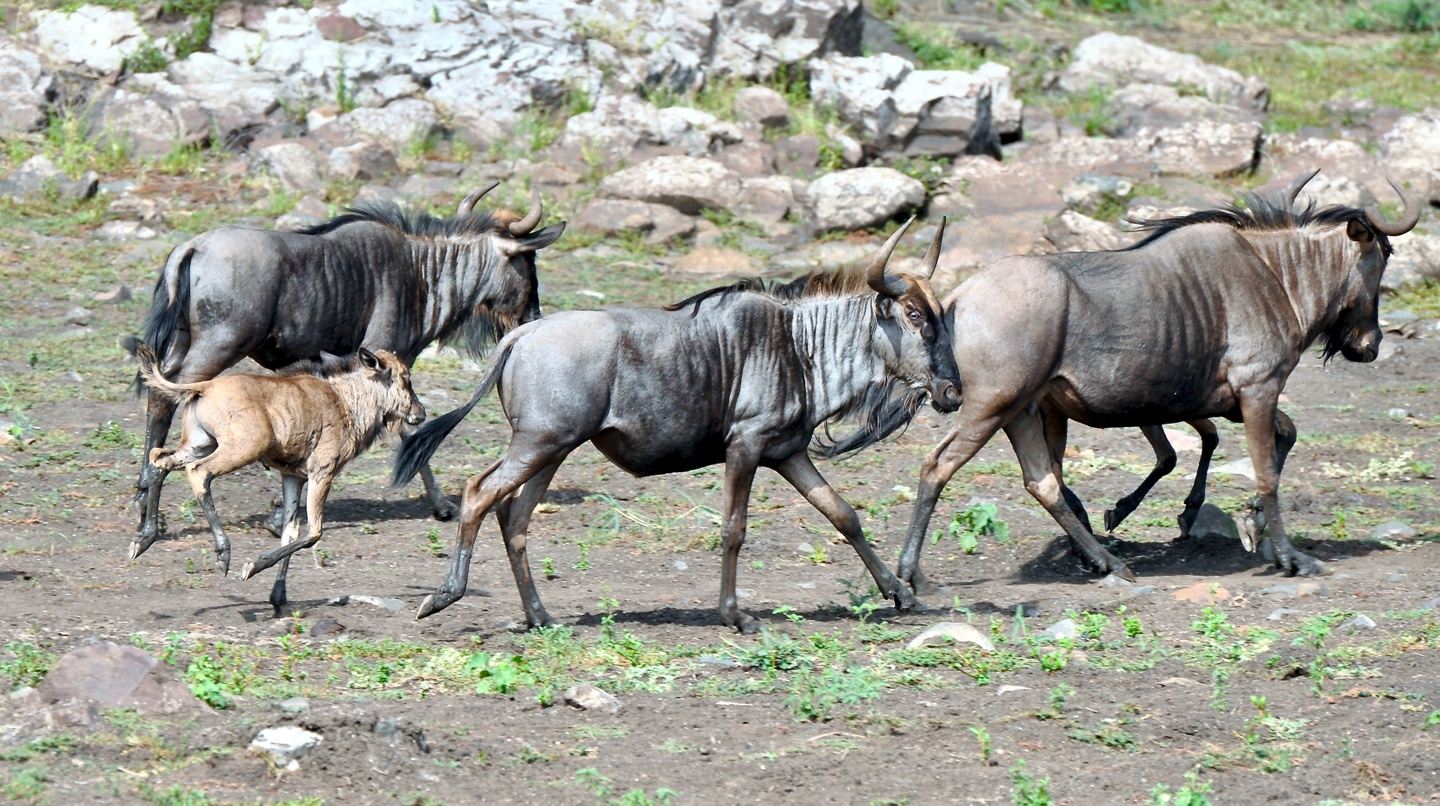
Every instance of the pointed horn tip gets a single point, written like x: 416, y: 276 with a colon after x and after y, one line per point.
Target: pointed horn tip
x: 526, y: 224
x: 1408, y: 219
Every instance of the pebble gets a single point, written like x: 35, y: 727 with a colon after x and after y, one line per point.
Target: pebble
x: 1391, y: 531
x: 679, y: 565
x: 1063, y: 630
x: 1358, y: 623
x: 716, y: 660
x: 805, y: 548
x: 1430, y: 604
x: 286, y: 744
x: 1003, y: 690
x: 1296, y: 590
x: 588, y: 697
x: 385, y: 602
x: 1397, y: 413
x: 295, y: 706
x: 78, y: 317
x: 1281, y: 613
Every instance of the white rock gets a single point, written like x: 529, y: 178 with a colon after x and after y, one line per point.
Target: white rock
x: 762, y: 105
x: 398, y: 125
x: 285, y: 744
x: 1115, y: 60
x: 1063, y: 630
x: 689, y: 184
x: 295, y: 165
x: 91, y: 37
x: 26, y: 89
x: 958, y: 632
x: 1411, y: 149
x: 862, y: 197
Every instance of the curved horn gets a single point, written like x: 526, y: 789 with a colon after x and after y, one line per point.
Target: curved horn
x: 875, y: 275
x: 1293, y: 191
x: 467, y: 205
x: 1408, y: 219
x: 932, y: 257
x: 524, y: 225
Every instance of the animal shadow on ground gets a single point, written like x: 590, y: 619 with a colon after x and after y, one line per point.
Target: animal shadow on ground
x: 1196, y: 556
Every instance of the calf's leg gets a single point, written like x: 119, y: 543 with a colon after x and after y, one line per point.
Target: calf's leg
x: 316, y: 491
x: 291, y: 487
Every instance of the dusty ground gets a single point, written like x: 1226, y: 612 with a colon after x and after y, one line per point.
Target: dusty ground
x: 826, y: 706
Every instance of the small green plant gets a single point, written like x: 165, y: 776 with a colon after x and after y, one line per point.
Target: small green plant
x: 28, y: 665
x: 582, y: 563
x: 433, y: 543
x: 1193, y: 793
x: 1058, y: 695
x: 498, y: 674
x: 547, y: 567
x: 344, y: 96
x: 979, y: 519
x: 146, y: 59
x: 1028, y: 791
x: 208, y: 682
x: 1432, y: 721
x: 814, y: 696
x: 26, y: 784
x: 817, y: 554
x: 863, y: 601
x: 982, y: 736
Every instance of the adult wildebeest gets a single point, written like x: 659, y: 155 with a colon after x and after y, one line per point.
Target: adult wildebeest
x: 374, y: 277
x: 1206, y: 317
x: 307, y: 422
x: 733, y: 375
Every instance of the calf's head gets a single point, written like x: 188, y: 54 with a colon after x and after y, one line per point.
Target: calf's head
x: 912, y: 334
x: 394, y: 395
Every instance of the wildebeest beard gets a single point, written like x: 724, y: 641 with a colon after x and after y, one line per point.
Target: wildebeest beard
x: 881, y: 411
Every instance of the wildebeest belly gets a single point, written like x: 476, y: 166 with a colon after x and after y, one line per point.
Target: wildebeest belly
x: 1135, y: 403
x: 642, y: 454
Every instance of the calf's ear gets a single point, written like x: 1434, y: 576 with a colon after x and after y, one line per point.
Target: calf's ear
x: 368, y: 359
x: 884, y: 307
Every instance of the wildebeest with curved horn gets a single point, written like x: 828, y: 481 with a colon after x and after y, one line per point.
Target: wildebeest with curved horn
x: 1206, y: 317
x: 734, y: 375
x: 374, y: 277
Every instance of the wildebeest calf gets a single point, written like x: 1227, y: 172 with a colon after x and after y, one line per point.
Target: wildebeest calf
x: 307, y: 422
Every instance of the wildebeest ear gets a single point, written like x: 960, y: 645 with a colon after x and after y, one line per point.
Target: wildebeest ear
x: 1359, y: 232
x: 884, y: 306
x: 368, y: 359
x: 537, y: 240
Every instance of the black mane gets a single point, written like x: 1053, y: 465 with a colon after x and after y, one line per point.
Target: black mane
x: 1259, y: 214
x: 813, y: 285
x: 411, y: 222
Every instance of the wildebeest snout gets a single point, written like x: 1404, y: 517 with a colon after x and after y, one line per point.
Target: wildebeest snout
x: 1364, y: 349
x: 944, y: 396
x: 416, y: 414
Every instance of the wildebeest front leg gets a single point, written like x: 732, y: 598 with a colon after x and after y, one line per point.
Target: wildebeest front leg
x: 803, y: 475
x: 439, y: 504
x: 159, y: 412
x: 1209, y: 440
x: 1270, y: 434
x: 739, y: 476
x: 959, y: 446
x: 1164, y: 464
x: 1042, y: 480
x: 513, y: 516
x: 316, y: 491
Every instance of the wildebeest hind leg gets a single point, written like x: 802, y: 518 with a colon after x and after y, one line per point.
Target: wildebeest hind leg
x: 803, y: 475
x: 1056, y: 434
x: 1164, y: 464
x: 159, y: 412
x: 498, y: 482
x: 1042, y: 480
x: 513, y: 515
x: 1209, y: 441
x: 200, y: 480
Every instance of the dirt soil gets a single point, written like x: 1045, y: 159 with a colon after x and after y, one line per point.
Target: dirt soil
x: 1270, y: 695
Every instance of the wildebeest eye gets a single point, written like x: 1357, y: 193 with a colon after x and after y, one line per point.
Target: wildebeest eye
x: 916, y: 316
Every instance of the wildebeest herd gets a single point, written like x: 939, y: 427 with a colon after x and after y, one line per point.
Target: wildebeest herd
x: 1205, y: 317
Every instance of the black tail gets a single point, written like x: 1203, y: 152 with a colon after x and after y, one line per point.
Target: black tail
x: 166, y: 313
x: 417, y: 448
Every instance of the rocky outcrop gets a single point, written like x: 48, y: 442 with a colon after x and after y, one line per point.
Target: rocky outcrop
x: 1112, y: 60
x: 689, y: 184
x: 26, y: 90
x: 1411, y: 149
x: 91, y: 39
x: 861, y: 197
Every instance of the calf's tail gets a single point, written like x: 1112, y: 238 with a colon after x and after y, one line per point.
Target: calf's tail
x: 150, y: 375
x: 416, y: 450
x: 167, y: 308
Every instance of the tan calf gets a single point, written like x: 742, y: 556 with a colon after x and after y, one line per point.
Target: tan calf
x: 307, y: 422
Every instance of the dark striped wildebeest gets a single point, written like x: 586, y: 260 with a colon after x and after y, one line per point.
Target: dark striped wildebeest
x: 734, y: 375
x: 375, y: 277
x: 1206, y: 317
